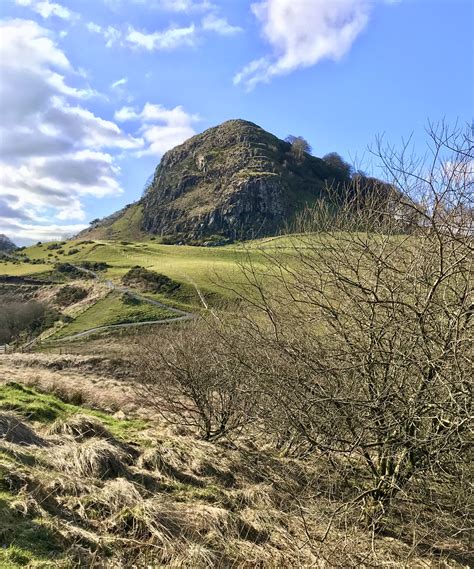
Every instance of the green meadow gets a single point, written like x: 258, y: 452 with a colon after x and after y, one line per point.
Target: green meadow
x: 214, y: 271
x: 204, y: 267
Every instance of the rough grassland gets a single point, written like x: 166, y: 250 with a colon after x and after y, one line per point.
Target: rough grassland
x: 202, y: 266
x: 22, y: 269
x: 81, y: 488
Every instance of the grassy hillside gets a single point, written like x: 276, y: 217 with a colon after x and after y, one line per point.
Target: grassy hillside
x: 112, y: 310
x: 81, y: 488
x: 127, y: 226
x: 201, y: 266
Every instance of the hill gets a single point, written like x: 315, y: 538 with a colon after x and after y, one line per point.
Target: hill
x: 233, y: 181
x: 6, y: 244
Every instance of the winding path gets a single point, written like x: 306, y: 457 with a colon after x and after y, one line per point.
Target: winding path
x: 181, y: 315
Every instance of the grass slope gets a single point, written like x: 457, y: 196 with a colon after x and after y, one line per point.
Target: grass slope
x: 80, y: 488
x: 205, y: 267
x: 110, y: 311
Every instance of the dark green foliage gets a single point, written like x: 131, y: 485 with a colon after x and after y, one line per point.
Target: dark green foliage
x: 343, y: 170
x: 149, y: 281
x: 73, y: 251
x: 94, y: 266
x: 72, y: 272
x: 130, y: 300
x: 54, y: 246
x: 70, y: 294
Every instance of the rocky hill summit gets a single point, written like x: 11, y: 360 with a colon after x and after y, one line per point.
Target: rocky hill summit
x: 235, y: 181
x: 6, y: 244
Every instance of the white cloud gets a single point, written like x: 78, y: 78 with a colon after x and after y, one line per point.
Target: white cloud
x: 119, y: 83
x: 180, y: 5
x: 214, y: 23
x: 167, y: 39
x: 47, y: 9
x: 111, y: 35
x: 28, y: 232
x: 45, y: 132
x: 170, y: 38
x: 161, y: 128
x: 302, y: 33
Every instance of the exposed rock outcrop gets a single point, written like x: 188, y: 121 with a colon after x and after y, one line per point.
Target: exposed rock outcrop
x: 233, y: 181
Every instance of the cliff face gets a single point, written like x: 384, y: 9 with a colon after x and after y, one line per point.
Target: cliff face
x: 234, y: 180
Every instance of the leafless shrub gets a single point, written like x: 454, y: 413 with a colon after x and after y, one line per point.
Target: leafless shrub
x: 188, y: 374
x: 359, y: 334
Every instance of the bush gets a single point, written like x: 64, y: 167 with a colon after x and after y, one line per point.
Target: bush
x: 150, y: 281
x: 70, y: 295
x: 193, y: 380
x: 24, y: 318
x: 54, y: 246
x: 68, y: 270
x: 94, y: 266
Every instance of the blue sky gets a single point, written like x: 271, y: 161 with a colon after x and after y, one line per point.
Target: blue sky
x: 94, y: 91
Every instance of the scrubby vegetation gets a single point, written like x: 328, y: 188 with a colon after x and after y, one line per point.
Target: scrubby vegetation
x: 320, y: 419
x: 352, y: 345
x: 69, y: 294
x: 66, y: 270
x: 150, y: 281
x: 94, y: 266
x: 79, y: 487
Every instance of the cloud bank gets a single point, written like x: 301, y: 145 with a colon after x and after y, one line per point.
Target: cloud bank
x: 161, y: 128
x: 46, y: 166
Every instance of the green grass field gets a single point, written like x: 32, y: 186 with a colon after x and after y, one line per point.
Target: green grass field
x: 112, y: 310
x: 22, y: 269
x: 205, y: 267
x: 212, y: 270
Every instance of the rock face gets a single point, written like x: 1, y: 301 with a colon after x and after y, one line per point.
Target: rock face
x: 6, y: 244
x: 235, y: 180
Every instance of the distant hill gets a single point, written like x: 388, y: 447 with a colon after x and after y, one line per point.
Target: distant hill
x: 6, y: 244
x: 233, y: 181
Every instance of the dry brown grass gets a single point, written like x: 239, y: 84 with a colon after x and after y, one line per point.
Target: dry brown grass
x: 186, y: 503
x: 80, y: 379
x: 93, y: 458
x: 13, y: 430
x: 80, y: 427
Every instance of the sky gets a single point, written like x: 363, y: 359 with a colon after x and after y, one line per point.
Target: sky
x: 93, y: 92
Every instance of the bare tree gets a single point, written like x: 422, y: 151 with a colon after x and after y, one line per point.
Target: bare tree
x: 360, y: 333
x: 299, y: 146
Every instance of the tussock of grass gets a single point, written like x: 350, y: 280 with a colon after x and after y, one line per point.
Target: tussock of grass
x: 13, y: 430
x: 80, y: 427
x: 46, y: 408
x: 94, y: 458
